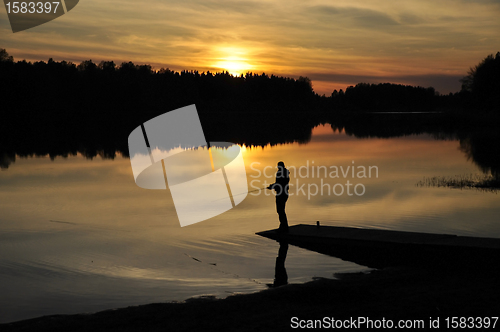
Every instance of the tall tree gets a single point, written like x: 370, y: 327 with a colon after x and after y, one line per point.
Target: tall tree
x: 483, y: 83
x: 4, y: 56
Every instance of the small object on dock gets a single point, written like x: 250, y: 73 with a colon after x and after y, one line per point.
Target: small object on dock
x: 317, y: 223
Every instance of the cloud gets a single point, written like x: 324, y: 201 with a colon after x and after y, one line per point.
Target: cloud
x: 355, y: 17
x: 426, y: 42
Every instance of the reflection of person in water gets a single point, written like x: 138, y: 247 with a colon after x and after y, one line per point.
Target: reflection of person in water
x: 281, y: 188
x: 280, y: 276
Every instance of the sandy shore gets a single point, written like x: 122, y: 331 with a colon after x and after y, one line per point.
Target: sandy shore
x: 391, y: 293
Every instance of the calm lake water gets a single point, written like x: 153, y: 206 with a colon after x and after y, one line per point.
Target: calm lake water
x: 78, y: 235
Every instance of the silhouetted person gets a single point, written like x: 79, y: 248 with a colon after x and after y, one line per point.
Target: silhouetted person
x: 280, y: 276
x: 281, y: 188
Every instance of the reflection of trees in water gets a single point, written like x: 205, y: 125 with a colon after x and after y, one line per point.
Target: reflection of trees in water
x: 268, y: 129
x: 483, y: 148
x: 379, y: 125
x: 6, y: 159
x: 479, y: 142
x: 9, y: 157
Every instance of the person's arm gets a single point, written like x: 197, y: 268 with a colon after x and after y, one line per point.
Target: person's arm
x: 272, y: 186
x: 281, y: 181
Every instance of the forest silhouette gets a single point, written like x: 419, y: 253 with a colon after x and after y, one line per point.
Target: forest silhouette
x: 60, y: 108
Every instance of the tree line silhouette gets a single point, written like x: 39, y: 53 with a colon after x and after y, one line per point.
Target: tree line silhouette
x: 480, y: 93
x: 385, y: 97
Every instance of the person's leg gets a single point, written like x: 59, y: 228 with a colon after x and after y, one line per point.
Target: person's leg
x: 280, y: 208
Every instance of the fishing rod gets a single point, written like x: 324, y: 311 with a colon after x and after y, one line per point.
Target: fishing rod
x: 252, y: 191
x: 248, y: 192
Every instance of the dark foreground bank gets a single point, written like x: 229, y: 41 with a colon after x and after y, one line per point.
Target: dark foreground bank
x: 395, y: 294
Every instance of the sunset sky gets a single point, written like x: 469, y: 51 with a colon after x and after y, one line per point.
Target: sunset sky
x: 335, y: 43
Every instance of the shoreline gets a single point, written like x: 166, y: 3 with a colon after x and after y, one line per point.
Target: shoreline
x: 391, y: 293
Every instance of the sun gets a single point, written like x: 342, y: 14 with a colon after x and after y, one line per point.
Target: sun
x: 234, y: 65
x: 235, y: 68
x: 234, y: 61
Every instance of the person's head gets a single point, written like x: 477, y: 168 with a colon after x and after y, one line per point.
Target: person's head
x: 281, y: 164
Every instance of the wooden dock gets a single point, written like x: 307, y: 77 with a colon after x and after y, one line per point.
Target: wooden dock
x: 382, y: 248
